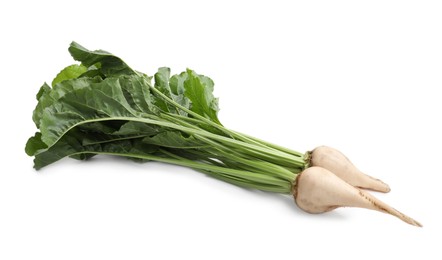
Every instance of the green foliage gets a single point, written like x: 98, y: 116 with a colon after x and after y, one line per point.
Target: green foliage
x: 102, y: 106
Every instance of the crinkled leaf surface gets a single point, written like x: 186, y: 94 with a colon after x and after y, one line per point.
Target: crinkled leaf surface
x: 72, y: 145
x: 103, y: 101
x: 107, y: 64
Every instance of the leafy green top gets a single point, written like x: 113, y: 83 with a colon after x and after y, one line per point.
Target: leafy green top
x: 102, y: 106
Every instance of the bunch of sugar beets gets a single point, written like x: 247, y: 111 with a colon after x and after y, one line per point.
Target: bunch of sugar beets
x: 103, y: 107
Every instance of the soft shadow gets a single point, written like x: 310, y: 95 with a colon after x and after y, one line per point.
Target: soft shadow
x: 287, y: 201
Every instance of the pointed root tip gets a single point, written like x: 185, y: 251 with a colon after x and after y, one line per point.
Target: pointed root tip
x: 383, y: 187
x: 417, y: 224
x: 413, y: 222
x: 401, y: 216
x: 375, y: 184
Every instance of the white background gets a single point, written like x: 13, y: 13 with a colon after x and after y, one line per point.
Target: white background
x: 361, y: 76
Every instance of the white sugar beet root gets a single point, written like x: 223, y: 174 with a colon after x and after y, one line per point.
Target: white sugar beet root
x: 336, y: 162
x: 317, y: 190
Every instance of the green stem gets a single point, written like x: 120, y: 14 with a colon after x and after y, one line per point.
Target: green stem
x: 246, y: 184
x: 237, y: 180
x: 234, y: 154
x: 289, y: 164
x: 240, y: 136
x: 275, y: 146
x: 250, y: 176
x: 256, y: 165
x: 223, y: 129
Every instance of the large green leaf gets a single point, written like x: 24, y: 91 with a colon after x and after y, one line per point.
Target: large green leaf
x: 44, y: 100
x: 96, y: 101
x: 35, y: 145
x: 72, y: 144
x: 107, y: 64
x: 162, y: 84
x: 136, y: 90
x: 199, y: 90
x: 121, y: 98
x: 47, y: 96
x: 172, y: 88
x: 176, y: 84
